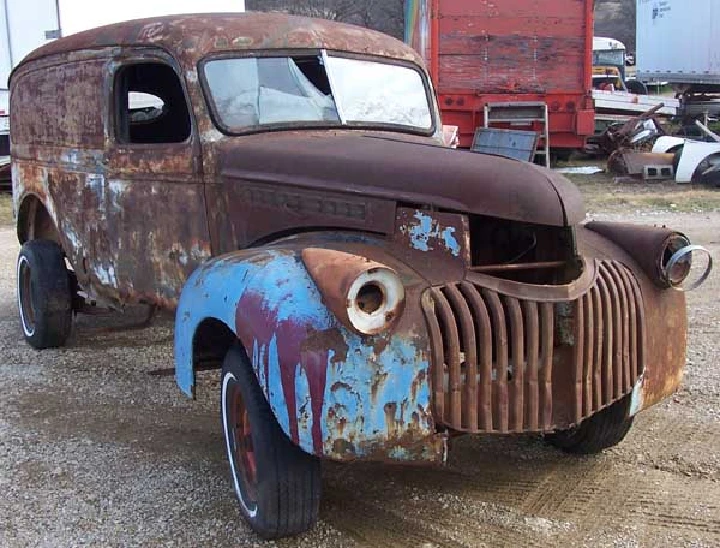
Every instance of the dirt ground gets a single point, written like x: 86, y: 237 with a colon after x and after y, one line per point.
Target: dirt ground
x: 94, y: 450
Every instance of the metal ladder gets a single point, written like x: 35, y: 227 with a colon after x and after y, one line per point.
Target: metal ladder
x: 523, y: 113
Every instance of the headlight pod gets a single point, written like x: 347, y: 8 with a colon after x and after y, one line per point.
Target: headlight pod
x: 374, y: 299
x: 663, y: 254
x: 676, y: 263
x: 365, y: 295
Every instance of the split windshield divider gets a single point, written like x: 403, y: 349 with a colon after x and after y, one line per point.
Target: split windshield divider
x: 331, y: 80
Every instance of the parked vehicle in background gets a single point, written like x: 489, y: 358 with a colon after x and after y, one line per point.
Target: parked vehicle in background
x: 514, y: 51
x: 677, y: 44
x: 608, y: 53
x: 365, y: 291
x: 24, y: 26
x: 617, y: 98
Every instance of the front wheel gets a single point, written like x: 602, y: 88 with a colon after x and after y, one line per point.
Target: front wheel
x: 602, y: 430
x: 276, y: 483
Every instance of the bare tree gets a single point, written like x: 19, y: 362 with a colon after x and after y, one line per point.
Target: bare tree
x: 383, y: 15
x: 616, y: 19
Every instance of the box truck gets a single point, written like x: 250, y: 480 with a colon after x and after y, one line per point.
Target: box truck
x: 511, y: 52
x: 677, y: 41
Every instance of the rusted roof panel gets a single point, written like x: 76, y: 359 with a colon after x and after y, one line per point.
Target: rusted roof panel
x: 191, y: 37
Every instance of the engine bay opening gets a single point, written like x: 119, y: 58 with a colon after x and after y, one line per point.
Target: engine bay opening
x: 523, y: 252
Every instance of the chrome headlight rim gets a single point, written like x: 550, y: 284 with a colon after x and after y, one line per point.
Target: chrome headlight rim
x: 681, y: 254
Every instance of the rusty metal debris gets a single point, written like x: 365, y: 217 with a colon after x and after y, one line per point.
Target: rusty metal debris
x: 642, y: 165
x: 638, y: 132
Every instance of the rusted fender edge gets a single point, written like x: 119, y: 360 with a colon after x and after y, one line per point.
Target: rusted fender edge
x: 334, y: 393
x: 665, y: 318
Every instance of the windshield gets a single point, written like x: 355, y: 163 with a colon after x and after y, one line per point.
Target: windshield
x: 615, y: 57
x: 316, y: 90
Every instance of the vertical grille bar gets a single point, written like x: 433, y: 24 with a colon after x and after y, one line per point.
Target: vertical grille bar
x: 547, y: 333
x: 607, y: 349
x: 577, y: 370
x: 589, y: 354
x: 497, y: 315
x: 625, y: 316
x: 484, y: 336
x: 438, y: 356
x: 598, y: 353
x: 642, y: 333
x: 617, y: 355
x: 632, y: 304
x: 532, y: 325
x: 453, y: 400
x: 469, y: 407
x: 517, y: 351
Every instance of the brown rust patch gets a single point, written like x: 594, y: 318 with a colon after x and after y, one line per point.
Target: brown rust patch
x: 324, y: 340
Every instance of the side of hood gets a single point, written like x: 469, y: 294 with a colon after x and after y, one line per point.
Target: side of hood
x: 404, y: 171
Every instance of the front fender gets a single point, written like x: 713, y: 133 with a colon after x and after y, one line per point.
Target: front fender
x: 334, y: 392
x: 665, y: 316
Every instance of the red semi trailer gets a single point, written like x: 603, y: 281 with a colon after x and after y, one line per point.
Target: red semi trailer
x: 493, y: 52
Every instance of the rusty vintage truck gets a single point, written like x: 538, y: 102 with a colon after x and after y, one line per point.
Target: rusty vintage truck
x: 367, y: 293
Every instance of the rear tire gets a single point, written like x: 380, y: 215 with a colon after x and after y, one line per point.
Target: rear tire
x: 276, y: 483
x: 600, y: 431
x: 44, y: 294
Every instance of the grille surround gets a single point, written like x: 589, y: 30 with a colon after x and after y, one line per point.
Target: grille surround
x: 575, y: 357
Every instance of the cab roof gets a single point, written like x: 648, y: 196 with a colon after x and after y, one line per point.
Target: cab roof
x: 193, y: 36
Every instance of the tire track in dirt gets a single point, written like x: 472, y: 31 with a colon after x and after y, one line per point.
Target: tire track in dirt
x: 572, y: 498
x: 403, y: 517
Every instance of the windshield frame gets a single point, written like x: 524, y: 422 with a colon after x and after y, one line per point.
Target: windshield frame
x: 303, y: 124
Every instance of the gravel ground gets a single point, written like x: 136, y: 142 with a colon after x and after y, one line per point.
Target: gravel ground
x: 95, y: 451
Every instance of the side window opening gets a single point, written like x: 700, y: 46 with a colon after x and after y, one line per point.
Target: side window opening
x: 150, y: 105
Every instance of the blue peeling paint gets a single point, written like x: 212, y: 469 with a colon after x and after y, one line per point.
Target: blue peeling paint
x: 451, y: 243
x: 374, y: 393
x: 428, y: 229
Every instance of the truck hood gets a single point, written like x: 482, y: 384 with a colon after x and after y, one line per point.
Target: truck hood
x: 405, y: 171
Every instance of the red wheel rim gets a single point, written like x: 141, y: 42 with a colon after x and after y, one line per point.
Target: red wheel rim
x: 244, y: 453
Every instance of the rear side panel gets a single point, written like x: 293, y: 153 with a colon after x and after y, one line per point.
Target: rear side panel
x: 515, y: 50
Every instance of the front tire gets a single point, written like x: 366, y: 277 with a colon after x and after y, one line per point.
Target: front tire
x: 276, y: 483
x: 44, y: 294
x: 598, y: 432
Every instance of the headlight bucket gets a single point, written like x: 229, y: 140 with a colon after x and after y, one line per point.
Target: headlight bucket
x: 664, y: 254
x: 365, y: 295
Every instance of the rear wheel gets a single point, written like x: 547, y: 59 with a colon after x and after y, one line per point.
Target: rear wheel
x: 44, y: 294
x: 600, y: 431
x: 276, y: 483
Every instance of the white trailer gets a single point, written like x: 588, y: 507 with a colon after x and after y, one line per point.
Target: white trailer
x: 77, y: 15
x: 24, y: 26
x: 677, y: 41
